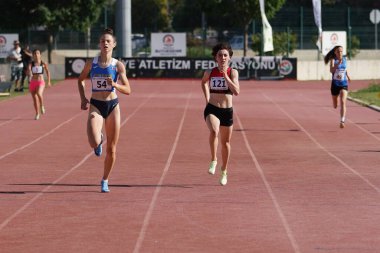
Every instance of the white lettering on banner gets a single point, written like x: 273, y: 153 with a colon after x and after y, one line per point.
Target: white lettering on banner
x: 205, y: 64
x: 165, y: 64
x: 131, y: 64
x: 185, y: 65
x: 238, y: 65
x: 257, y: 64
x: 142, y: 65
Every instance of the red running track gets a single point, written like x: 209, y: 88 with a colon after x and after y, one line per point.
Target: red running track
x: 297, y: 182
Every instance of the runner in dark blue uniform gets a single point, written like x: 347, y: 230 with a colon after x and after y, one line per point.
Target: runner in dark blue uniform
x: 107, y: 75
x: 340, y: 79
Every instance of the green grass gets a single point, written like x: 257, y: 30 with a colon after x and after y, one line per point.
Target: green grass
x: 369, y: 95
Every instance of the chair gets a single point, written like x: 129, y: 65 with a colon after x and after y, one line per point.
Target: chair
x: 5, y: 88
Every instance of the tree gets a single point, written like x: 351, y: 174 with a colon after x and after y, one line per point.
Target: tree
x: 224, y: 14
x: 153, y: 15
x: 53, y: 15
x: 70, y: 14
x: 352, y: 3
x: 189, y: 15
x: 284, y: 43
x: 244, y: 12
x: 15, y: 14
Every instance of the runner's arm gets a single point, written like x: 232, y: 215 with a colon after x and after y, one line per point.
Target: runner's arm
x: 204, y: 84
x: 124, y: 87
x: 81, y: 84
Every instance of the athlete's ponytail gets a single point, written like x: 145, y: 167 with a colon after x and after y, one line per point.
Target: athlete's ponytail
x: 330, y: 55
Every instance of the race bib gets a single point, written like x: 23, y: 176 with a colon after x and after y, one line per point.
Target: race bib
x: 99, y: 83
x: 218, y: 83
x: 37, y: 69
x: 339, y: 74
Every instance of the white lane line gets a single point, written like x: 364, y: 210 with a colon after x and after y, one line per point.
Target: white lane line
x: 352, y: 122
x: 355, y: 172
x: 152, y: 204
x: 10, y: 120
x: 32, y: 200
x: 364, y: 130
x: 280, y: 213
x: 41, y: 137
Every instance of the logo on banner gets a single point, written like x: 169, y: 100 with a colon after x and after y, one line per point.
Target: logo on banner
x: 334, y: 39
x: 168, y: 40
x: 78, y: 65
x: 286, y: 67
x: 3, y: 41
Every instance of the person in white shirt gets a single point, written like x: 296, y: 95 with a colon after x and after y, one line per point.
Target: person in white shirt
x: 15, y: 59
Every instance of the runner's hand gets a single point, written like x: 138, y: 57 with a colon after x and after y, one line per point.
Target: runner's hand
x: 84, y: 104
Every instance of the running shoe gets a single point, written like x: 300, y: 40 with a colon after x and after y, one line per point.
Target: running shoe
x: 98, y: 150
x: 37, y: 117
x: 223, y: 177
x: 342, y: 124
x: 211, y: 169
x: 43, y: 111
x: 104, y: 186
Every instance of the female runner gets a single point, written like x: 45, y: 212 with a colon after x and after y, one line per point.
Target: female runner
x: 37, y: 82
x: 219, y: 85
x: 340, y: 79
x: 105, y: 72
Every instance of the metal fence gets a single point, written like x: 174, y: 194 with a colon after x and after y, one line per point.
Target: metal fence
x: 298, y: 20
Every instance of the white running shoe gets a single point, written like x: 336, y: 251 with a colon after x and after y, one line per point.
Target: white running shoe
x: 223, y: 177
x: 212, y: 167
x: 37, y: 117
x: 43, y: 111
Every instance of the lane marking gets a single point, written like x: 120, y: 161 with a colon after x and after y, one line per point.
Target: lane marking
x: 10, y: 120
x: 32, y: 200
x: 352, y: 122
x: 280, y: 213
x: 355, y: 172
x: 152, y: 204
x: 41, y: 137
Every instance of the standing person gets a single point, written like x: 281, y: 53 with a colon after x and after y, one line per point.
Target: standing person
x: 16, y: 64
x: 219, y: 85
x: 340, y: 79
x: 105, y: 72
x: 37, y: 83
x: 26, y: 56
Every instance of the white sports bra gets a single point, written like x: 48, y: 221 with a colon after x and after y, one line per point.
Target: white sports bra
x: 37, y: 69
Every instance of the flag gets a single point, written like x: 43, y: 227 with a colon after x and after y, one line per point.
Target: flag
x: 318, y: 21
x: 267, y: 29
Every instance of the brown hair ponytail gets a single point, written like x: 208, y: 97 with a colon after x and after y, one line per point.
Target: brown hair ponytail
x: 330, y: 55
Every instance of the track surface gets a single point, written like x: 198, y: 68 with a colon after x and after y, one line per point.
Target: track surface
x: 297, y: 183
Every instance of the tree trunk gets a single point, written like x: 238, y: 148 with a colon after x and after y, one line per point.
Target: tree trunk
x: 245, y: 40
x: 50, y: 45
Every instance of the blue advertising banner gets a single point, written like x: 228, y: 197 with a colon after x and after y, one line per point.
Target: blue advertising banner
x: 266, y: 67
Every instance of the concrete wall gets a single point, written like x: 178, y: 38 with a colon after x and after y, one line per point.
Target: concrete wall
x: 357, y: 69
